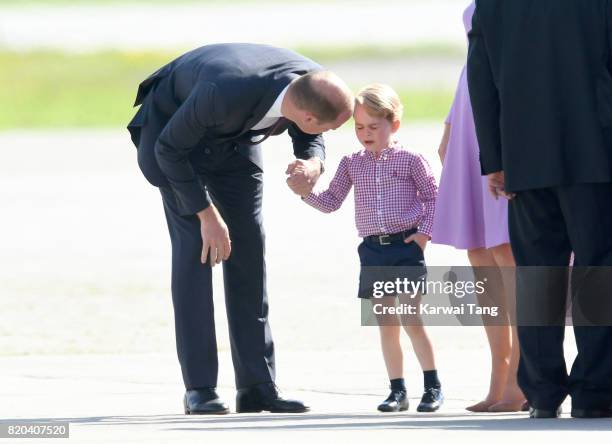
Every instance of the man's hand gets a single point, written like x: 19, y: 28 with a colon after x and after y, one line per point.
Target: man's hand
x: 303, y: 175
x: 420, y: 238
x: 497, y: 186
x: 215, y: 236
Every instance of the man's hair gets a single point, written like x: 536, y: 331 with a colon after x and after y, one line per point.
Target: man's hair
x: 381, y: 101
x: 323, y: 94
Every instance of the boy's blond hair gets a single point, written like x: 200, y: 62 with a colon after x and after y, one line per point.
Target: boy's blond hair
x: 381, y: 101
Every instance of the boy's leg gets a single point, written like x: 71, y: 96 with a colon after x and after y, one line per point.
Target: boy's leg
x: 413, y: 326
x: 389, y: 329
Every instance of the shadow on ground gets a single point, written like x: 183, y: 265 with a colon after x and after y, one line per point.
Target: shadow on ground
x: 337, y: 421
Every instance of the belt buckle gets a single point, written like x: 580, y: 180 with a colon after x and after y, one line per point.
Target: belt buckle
x: 384, y: 239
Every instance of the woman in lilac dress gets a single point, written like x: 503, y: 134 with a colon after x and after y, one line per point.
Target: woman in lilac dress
x: 469, y: 218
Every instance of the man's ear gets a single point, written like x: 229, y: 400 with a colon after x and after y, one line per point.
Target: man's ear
x: 309, y: 117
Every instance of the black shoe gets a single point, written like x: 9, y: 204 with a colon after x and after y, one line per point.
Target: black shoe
x: 431, y: 401
x: 397, y: 401
x: 544, y: 413
x: 265, y: 397
x: 591, y: 413
x: 204, y: 401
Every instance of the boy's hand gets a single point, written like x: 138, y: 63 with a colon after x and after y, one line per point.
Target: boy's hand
x: 299, y: 187
x: 300, y: 184
x: 420, y: 238
x: 303, y: 175
x: 311, y: 167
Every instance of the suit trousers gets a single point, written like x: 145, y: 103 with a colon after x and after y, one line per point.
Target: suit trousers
x: 235, y: 186
x: 546, y: 226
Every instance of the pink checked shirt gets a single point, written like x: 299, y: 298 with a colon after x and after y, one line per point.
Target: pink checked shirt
x: 393, y: 193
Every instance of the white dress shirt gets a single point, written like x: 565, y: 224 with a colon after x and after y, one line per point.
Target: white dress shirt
x: 273, y: 114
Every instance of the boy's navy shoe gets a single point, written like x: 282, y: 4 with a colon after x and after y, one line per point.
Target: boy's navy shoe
x: 431, y: 401
x: 397, y: 401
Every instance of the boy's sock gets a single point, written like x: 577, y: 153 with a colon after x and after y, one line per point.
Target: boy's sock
x: 398, y: 384
x: 431, y: 380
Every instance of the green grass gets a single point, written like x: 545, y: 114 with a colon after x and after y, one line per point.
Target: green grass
x: 426, y: 104
x: 376, y: 52
x: 48, y: 89
x: 58, y: 90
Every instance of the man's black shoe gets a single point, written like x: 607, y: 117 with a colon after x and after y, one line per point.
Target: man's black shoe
x: 204, y: 401
x: 544, y: 413
x: 266, y: 397
x: 591, y: 413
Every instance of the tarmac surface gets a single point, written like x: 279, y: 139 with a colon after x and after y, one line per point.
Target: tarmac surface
x: 117, y: 25
x: 86, y: 329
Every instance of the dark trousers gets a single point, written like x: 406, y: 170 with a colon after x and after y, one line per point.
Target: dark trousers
x: 235, y: 186
x: 546, y: 225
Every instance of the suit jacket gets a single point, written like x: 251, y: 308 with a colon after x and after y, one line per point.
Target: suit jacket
x: 213, y: 96
x: 541, y: 90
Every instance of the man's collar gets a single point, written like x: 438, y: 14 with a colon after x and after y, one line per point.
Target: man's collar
x: 275, y: 110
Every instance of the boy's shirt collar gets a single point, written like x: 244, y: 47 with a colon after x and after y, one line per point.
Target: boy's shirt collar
x: 395, y: 145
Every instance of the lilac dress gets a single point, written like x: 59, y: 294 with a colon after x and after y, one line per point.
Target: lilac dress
x: 467, y: 216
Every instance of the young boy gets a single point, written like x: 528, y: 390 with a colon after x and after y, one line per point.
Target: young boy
x: 395, y: 194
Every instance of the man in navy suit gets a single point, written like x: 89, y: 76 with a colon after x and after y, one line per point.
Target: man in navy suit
x: 198, y: 132
x: 540, y: 78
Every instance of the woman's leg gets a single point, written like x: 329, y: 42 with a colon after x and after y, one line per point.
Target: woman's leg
x: 512, y: 398
x: 499, y: 336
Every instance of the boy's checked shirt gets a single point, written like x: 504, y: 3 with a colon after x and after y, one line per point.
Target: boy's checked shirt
x: 393, y: 193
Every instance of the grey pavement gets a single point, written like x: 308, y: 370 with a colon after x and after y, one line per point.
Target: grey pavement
x: 137, y: 398
x: 86, y: 331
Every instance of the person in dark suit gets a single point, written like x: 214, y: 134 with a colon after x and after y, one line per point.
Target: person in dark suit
x: 540, y: 78
x: 198, y: 133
